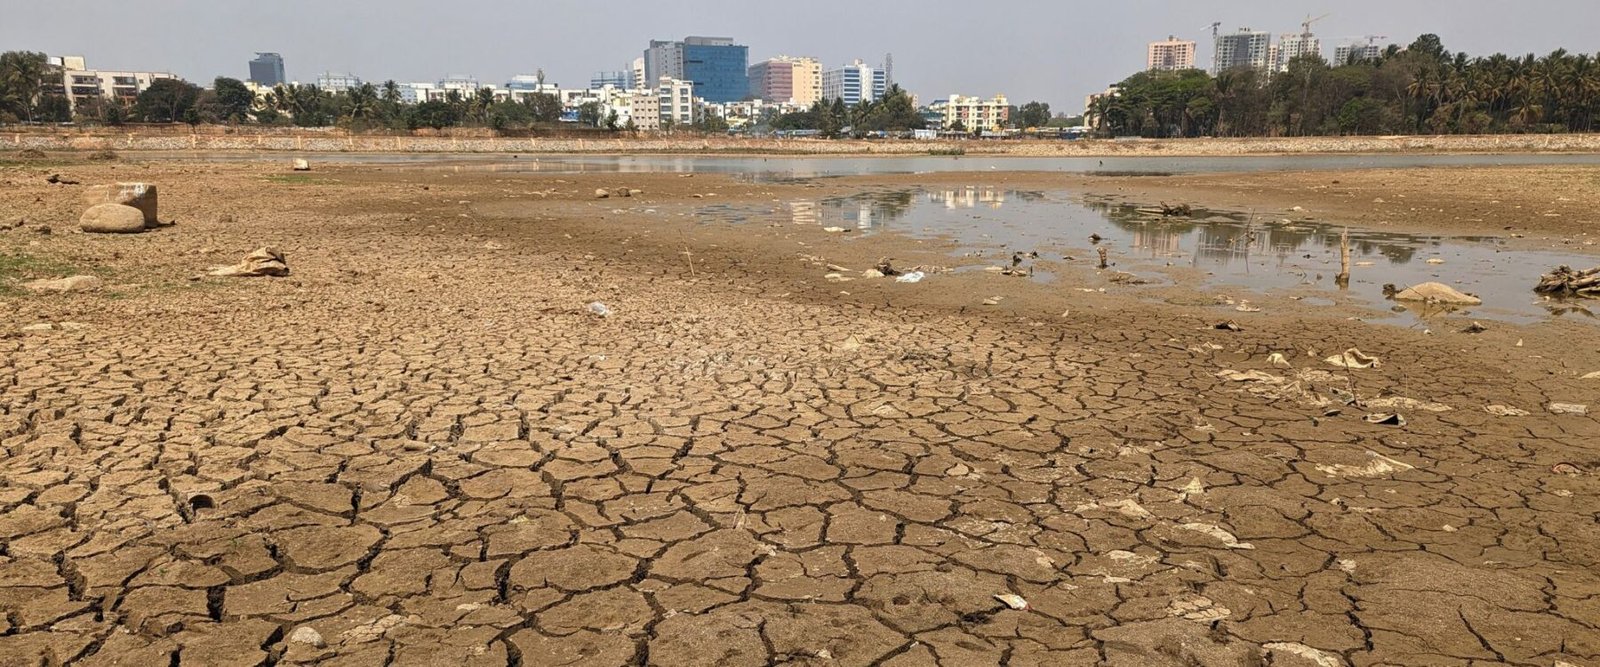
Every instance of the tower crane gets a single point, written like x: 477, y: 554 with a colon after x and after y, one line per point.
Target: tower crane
x: 1306, y: 25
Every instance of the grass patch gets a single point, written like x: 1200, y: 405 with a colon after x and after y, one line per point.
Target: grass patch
x: 297, y: 179
x: 16, y: 268
x: 948, y: 152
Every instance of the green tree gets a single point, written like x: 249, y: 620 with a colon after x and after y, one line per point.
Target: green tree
x: 590, y: 113
x: 166, y: 101
x: 546, y: 107
x: 234, y: 99
x: 1033, y: 114
x: 434, y: 113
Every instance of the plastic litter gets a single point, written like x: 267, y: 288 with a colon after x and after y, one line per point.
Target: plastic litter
x: 1354, y: 358
x: 1386, y: 419
x: 600, y: 309
x: 913, y: 277
x: 1013, y: 601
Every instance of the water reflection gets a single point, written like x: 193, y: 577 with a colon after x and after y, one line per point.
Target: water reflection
x: 1232, y: 250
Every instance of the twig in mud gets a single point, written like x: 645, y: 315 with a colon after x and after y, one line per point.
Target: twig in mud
x: 1343, y: 279
x: 687, y: 254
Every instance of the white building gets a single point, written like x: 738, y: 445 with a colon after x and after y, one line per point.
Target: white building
x: 973, y: 113
x: 637, y: 80
x: 1246, y: 48
x: 855, y: 83
x: 1291, y: 46
x: 338, y: 82
x: 670, y: 104
x: 1352, y: 53
x: 79, y: 83
x: 1171, y: 55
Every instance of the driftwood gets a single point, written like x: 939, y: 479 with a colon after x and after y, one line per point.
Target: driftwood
x: 1564, y: 281
x: 1177, y: 211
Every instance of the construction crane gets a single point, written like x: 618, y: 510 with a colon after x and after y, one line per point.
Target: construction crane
x: 1373, y: 39
x: 1306, y: 26
x: 1215, y: 27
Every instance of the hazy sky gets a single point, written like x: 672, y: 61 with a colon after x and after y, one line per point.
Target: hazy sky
x: 1051, y: 50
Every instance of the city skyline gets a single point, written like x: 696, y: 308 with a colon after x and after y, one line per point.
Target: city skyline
x: 1059, y: 54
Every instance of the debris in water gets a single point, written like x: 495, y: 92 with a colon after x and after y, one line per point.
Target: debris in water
x: 1564, y: 281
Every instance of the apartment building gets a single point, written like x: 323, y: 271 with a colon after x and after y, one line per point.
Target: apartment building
x: 1291, y: 46
x: 787, y: 80
x: 1245, y: 48
x: 80, y: 83
x: 1171, y: 55
x: 973, y: 113
x: 338, y: 82
x: 1345, y: 54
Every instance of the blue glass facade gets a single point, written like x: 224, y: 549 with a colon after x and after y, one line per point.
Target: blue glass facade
x: 720, y: 73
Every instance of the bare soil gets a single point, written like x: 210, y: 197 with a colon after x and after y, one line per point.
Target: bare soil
x: 422, y: 448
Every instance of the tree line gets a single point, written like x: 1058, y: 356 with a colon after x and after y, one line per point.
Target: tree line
x: 1420, y: 89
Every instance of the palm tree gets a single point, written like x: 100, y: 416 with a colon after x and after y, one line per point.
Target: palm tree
x: 391, y: 92
x: 361, y: 102
x: 21, y: 77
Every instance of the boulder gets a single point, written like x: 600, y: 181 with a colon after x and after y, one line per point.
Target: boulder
x: 1439, y: 293
x: 262, y: 262
x: 302, y: 165
x: 141, y: 196
x: 69, y: 284
x: 112, y: 219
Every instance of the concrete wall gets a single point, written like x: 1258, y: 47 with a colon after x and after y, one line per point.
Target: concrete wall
x: 332, y: 141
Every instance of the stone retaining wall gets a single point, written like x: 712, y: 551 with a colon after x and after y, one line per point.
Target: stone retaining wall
x: 326, y: 141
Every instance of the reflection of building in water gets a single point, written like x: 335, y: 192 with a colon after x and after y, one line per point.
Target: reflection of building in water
x: 1160, y: 240
x: 969, y: 197
x: 864, y: 216
x: 804, y: 212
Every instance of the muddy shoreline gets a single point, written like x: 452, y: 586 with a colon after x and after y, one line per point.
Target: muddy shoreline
x: 421, y: 446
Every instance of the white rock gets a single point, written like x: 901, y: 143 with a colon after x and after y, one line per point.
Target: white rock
x: 70, y: 284
x: 306, y: 634
x: 112, y: 219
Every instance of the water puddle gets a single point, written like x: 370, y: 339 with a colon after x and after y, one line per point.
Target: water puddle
x: 1216, y: 250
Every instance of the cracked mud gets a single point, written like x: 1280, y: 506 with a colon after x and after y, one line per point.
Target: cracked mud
x: 420, y: 448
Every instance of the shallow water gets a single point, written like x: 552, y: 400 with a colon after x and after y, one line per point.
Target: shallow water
x: 1228, y: 251
x: 778, y: 168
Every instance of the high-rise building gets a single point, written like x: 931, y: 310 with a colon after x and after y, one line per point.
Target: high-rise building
x: 1291, y: 46
x: 787, y: 79
x: 620, y: 80
x: 855, y: 83
x: 1246, y: 48
x: 1352, y: 53
x: 637, y: 79
x: 662, y: 60
x: 1171, y: 55
x: 267, y: 70
x: 715, y: 65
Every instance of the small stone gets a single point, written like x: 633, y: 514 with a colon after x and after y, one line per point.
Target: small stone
x: 1568, y: 409
x: 306, y: 634
x: 601, y: 193
x: 302, y: 165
